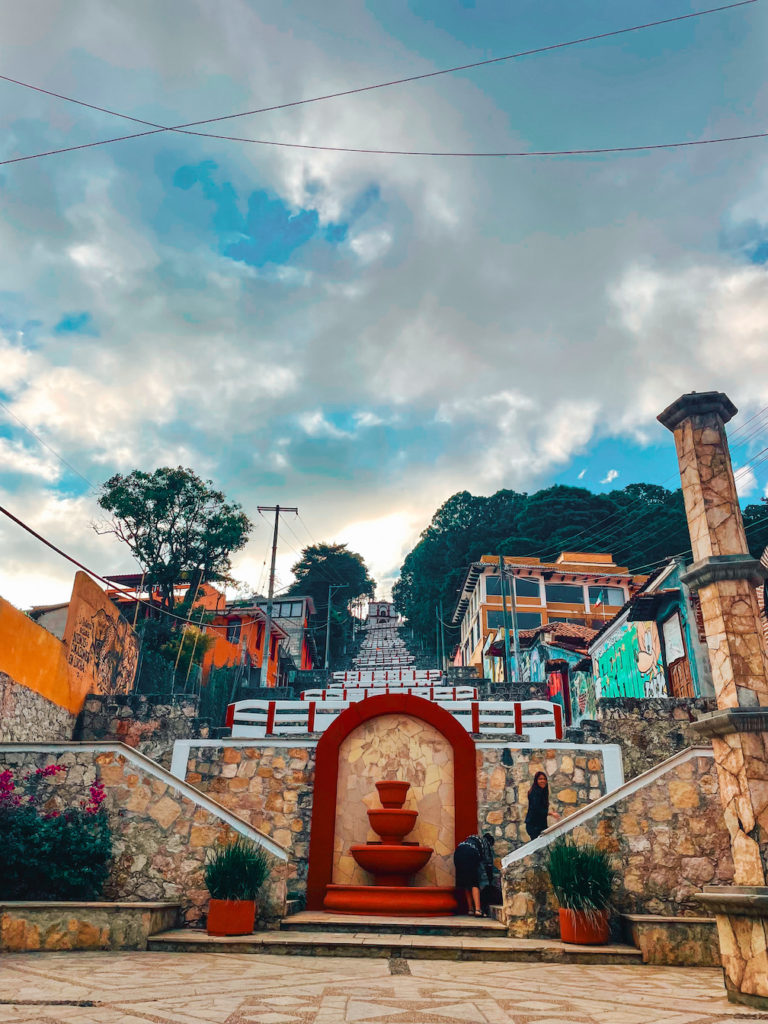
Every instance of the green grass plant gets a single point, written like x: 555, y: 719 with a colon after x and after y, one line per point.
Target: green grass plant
x: 235, y: 870
x: 582, y: 877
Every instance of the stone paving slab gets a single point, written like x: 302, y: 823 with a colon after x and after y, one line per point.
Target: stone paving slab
x: 211, y: 988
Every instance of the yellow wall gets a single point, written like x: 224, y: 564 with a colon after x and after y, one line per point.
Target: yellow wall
x: 35, y: 658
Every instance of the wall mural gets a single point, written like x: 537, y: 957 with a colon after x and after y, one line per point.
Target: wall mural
x: 629, y: 664
x: 102, y: 648
x: 583, y: 700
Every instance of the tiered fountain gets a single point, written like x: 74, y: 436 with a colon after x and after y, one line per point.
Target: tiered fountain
x: 392, y: 862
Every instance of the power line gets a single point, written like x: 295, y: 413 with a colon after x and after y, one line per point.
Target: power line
x: 184, y: 128
x: 45, y: 444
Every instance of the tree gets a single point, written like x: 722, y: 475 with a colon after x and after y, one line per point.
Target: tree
x: 176, y: 525
x: 324, y: 565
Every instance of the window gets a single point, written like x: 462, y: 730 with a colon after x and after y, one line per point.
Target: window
x: 233, y: 630
x: 528, y: 620
x: 495, y: 619
x: 606, y: 595
x: 526, y: 588
x: 493, y: 586
x: 564, y: 593
x: 673, y: 638
x: 573, y: 621
x: 296, y: 609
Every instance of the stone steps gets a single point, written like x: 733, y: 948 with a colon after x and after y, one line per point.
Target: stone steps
x: 411, y: 947
x: 355, y: 924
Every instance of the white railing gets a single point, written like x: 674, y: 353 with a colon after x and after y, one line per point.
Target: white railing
x: 353, y: 693
x: 487, y: 719
x: 382, y: 675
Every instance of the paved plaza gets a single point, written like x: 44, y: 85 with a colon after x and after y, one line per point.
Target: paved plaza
x: 210, y: 988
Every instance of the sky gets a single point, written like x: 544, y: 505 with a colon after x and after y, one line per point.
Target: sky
x: 357, y: 335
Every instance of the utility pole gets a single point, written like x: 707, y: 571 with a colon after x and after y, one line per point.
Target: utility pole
x: 263, y: 675
x: 442, y: 638
x: 505, y: 619
x: 331, y: 588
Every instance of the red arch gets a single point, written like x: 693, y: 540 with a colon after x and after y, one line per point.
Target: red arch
x: 327, y: 777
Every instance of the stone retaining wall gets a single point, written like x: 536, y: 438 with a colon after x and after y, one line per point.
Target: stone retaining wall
x: 150, y: 724
x: 668, y: 837
x: 162, y: 829
x: 27, y: 927
x: 505, y: 774
x: 26, y: 714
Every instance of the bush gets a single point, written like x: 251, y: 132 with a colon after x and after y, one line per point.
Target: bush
x: 236, y: 870
x: 50, y: 854
x: 582, y: 876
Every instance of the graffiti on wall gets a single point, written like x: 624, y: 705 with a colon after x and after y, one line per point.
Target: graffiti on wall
x: 629, y: 663
x: 583, y: 701
x: 102, y: 648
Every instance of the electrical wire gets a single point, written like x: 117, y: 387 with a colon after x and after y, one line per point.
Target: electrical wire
x: 184, y: 128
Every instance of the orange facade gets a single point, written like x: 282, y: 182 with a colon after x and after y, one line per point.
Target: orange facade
x: 239, y: 636
x: 581, y: 587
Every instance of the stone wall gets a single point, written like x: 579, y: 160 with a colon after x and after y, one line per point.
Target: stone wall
x: 25, y: 715
x: 161, y: 828
x: 270, y: 787
x: 505, y: 774
x: 667, y: 836
x: 647, y: 730
x: 150, y: 724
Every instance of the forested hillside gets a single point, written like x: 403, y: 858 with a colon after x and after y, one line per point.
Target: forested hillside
x: 639, y: 525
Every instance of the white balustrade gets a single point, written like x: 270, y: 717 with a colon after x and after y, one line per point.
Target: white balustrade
x: 353, y: 693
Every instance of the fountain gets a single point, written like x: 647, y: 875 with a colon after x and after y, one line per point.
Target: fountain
x: 392, y: 861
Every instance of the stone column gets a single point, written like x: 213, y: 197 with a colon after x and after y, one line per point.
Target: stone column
x: 725, y: 576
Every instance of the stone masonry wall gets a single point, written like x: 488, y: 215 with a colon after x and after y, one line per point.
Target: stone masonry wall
x: 269, y: 787
x: 647, y: 730
x: 668, y: 839
x: 505, y: 774
x: 26, y: 715
x: 160, y: 836
x: 150, y: 724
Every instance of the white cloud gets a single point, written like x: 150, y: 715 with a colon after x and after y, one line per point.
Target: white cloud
x: 746, y: 481
x: 15, y: 458
x: 582, y: 474
x: 610, y: 476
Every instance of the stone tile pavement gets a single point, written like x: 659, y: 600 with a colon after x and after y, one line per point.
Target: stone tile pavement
x: 211, y: 988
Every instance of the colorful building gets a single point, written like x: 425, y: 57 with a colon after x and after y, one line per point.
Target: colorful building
x: 581, y: 588
x: 239, y: 633
x: 294, y: 616
x: 655, y: 645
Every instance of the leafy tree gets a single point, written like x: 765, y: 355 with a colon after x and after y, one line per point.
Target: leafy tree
x: 324, y: 565
x: 177, y: 526
x: 639, y: 525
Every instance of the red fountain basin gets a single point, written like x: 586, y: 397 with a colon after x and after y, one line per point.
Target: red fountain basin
x: 391, y: 865
x: 392, y: 824
x: 392, y: 793
x: 391, y: 900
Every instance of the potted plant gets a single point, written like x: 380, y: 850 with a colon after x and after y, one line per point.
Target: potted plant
x: 583, y: 879
x: 234, y: 873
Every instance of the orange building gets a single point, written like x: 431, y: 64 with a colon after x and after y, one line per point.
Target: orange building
x: 239, y: 640
x: 586, y: 588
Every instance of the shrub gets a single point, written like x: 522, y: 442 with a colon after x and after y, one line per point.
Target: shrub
x: 582, y: 876
x: 235, y: 870
x: 51, y: 854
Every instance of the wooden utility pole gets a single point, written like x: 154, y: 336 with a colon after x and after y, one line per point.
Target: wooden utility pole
x: 263, y: 675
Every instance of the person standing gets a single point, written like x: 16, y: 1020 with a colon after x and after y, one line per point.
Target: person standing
x: 473, y: 860
x: 538, y: 806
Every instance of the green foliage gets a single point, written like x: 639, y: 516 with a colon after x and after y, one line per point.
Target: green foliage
x: 215, y: 694
x: 176, y: 524
x: 160, y: 643
x: 236, y: 870
x: 638, y: 525
x: 51, y: 854
x: 321, y: 565
x: 582, y: 876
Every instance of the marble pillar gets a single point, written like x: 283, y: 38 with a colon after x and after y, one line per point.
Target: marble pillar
x: 725, y: 575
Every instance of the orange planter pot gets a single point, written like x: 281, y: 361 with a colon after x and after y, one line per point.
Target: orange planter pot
x: 584, y: 930
x: 231, y: 917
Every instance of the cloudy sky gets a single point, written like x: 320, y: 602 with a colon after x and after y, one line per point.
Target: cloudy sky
x: 362, y: 336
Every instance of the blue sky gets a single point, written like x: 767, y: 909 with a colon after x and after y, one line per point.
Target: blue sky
x: 362, y: 336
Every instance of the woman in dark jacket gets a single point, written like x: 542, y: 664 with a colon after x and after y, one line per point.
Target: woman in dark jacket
x: 538, y: 806
x: 473, y: 859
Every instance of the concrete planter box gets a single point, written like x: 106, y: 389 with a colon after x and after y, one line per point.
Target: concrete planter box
x: 27, y: 927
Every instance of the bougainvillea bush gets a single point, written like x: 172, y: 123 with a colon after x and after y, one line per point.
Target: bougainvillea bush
x: 50, y: 852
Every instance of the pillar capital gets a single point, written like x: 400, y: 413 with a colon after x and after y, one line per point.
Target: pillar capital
x: 697, y: 403
x: 724, y: 567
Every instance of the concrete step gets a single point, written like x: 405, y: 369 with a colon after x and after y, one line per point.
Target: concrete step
x: 410, y: 947
x: 462, y: 925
